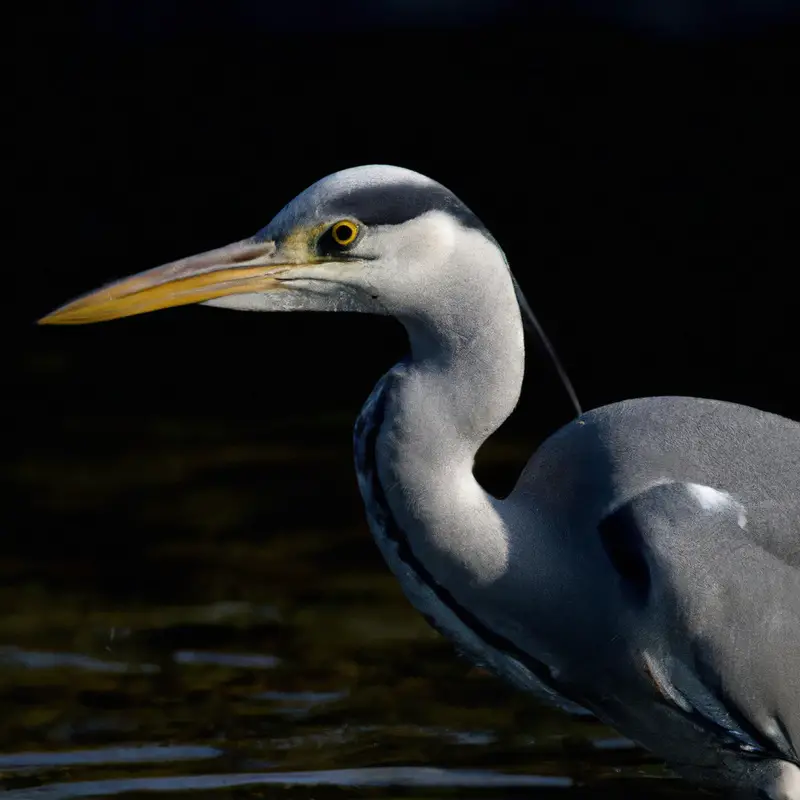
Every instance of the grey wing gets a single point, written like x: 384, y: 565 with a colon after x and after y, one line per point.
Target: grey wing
x: 717, y: 615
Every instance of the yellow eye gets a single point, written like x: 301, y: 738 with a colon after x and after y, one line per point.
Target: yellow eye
x: 344, y: 233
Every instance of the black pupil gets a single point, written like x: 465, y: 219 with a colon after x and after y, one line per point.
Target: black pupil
x: 344, y: 233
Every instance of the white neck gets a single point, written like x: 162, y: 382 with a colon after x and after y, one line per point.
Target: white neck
x: 462, y: 382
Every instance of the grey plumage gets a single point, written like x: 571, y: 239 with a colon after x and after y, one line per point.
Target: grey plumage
x: 646, y: 566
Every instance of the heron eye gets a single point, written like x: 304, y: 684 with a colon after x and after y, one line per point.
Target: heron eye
x: 344, y: 233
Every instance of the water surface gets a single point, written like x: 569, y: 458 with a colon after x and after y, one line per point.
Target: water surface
x: 194, y: 607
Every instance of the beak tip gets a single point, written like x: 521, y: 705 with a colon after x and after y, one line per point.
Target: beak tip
x: 53, y: 318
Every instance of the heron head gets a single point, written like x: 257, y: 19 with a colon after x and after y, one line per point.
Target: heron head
x: 376, y: 238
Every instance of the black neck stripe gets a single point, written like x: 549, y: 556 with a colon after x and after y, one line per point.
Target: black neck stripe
x: 369, y: 429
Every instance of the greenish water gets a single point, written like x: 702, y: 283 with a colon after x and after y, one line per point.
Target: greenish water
x: 195, y: 607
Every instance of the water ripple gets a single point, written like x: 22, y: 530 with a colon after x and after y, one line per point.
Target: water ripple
x: 142, y: 754
x: 11, y: 656
x: 414, y: 777
x: 232, y: 660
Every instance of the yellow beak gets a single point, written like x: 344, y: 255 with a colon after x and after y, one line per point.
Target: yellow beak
x: 237, y: 268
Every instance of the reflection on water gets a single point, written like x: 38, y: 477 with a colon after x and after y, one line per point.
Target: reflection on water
x: 198, y: 608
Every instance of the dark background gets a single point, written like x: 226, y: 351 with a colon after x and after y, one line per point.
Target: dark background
x: 183, y: 481
x: 638, y: 165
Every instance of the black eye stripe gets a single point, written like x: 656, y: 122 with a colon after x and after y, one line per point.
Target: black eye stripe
x: 398, y: 203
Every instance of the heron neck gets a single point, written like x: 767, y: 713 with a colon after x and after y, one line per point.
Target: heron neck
x: 465, y: 373
x: 462, y: 381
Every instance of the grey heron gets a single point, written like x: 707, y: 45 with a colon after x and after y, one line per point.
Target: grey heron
x: 646, y: 565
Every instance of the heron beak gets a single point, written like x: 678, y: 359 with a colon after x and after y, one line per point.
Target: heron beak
x: 238, y: 268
